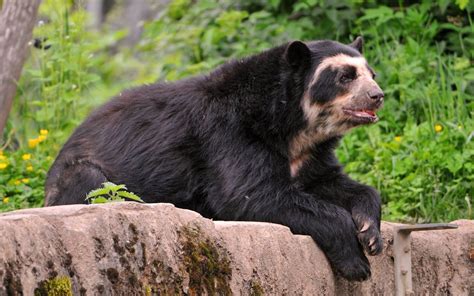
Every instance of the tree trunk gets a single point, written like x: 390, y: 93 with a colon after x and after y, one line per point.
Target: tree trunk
x: 17, y: 19
x: 96, y: 12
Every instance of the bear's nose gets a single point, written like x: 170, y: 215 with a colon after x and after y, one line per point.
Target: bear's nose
x: 375, y: 95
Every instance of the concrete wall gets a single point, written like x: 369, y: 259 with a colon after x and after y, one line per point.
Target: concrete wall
x: 157, y: 249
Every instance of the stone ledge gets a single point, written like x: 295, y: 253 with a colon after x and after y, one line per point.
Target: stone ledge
x: 157, y: 249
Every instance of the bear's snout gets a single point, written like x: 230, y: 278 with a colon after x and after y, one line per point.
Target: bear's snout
x: 376, y: 94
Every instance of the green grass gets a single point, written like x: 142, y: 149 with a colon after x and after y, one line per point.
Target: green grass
x: 419, y: 156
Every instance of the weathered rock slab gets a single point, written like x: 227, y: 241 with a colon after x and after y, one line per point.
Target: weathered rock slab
x: 157, y: 249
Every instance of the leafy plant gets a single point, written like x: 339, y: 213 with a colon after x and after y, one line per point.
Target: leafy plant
x: 111, y: 192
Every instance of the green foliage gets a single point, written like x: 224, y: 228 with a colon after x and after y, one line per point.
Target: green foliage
x: 111, y: 192
x: 420, y: 155
x: 54, y: 80
x: 423, y: 174
x: 205, y: 36
x: 22, y: 173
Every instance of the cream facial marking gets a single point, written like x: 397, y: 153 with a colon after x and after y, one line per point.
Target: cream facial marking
x: 341, y: 60
x: 364, y: 75
x: 325, y: 121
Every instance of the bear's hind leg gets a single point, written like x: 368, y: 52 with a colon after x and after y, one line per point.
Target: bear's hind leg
x: 72, y: 184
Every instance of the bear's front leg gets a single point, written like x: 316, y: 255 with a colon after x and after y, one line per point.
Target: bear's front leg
x: 361, y: 201
x: 366, y: 212
x: 364, y: 204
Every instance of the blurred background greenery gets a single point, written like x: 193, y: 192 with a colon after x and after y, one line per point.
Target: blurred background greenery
x: 419, y: 156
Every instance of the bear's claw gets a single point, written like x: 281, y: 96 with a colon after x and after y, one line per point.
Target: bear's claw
x: 370, y: 238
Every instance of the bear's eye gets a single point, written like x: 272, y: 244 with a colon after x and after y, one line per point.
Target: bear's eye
x: 346, y: 78
x: 348, y: 73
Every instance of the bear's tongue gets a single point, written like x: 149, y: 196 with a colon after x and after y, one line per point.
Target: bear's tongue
x: 364, y: 113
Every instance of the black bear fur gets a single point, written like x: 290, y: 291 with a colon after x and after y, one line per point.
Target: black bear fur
x: 218, y: 144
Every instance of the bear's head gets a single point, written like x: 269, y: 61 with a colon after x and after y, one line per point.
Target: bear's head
x: 339, y: 90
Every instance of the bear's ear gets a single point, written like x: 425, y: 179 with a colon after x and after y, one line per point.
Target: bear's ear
x: 297, y: 53
x: 358, y: 44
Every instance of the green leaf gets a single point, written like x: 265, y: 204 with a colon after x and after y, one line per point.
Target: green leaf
x: 99, y: 200
x: 262, y: 14
x: 275, y: 3
x: 114, y: 187
x: 454, y: 162
x: 97, y: 192
x: 462, y: 3
x: 130, y: 195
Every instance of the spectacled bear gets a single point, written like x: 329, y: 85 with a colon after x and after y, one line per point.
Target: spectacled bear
x: 253, y: 140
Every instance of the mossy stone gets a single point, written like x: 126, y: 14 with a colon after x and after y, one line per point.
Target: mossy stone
x: 209, y: 271
x: 57, y: 286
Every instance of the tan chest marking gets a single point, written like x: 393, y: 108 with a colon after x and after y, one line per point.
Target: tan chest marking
x: 297, y: 163
x: 316, y: 132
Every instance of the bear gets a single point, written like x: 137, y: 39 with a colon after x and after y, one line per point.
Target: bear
x: 252, y: 140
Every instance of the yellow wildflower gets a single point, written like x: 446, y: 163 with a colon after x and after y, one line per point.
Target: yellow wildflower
x: 17, y: 182
x: 32, y: 143
x: 2, y: 157
x: 438, y: 128
x: 29, y: 168
x: 26, y: 156
x: 398, y: 139
x: 25, y: 180
x: 3, y: 165
x: 6, y: 199
x: 43, y: 132
x: 1, y: 152
x: 41, y: 138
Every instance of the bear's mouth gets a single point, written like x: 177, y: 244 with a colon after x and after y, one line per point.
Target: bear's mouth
x: 362, y: 115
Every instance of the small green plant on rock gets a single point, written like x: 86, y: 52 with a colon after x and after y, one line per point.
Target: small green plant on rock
x: 111, y: 192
